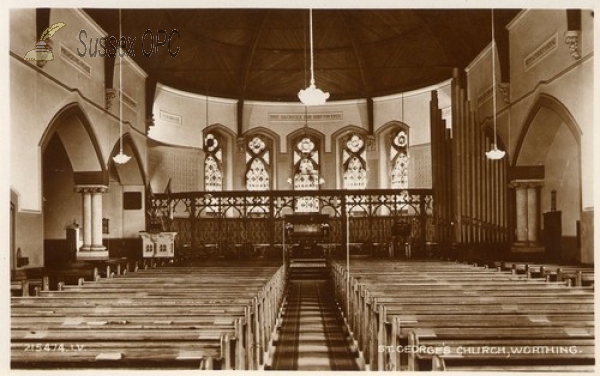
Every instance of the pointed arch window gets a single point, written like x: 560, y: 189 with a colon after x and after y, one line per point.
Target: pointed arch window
x: 213, y: 163
x: 258, y: 170
x: 306, y: 173
x: 258, y: 161
x: 354, y: 162
x: 399, y: 159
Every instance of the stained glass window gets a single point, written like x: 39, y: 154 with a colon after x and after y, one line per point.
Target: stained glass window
x: 258, y: 161
x: 257, y: 165
x: 213, y: 163
x: 354, y: 162
x: 306, y: 173
x: 399, y: 159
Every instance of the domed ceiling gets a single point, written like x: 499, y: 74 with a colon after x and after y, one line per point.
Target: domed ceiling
x: 263, y: 54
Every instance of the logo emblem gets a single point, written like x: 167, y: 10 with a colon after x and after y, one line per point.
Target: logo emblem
x: 42, y: 51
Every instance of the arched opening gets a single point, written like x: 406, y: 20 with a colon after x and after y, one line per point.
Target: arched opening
x: 89, y: 203
x: 71, y: 156
x: 548, y: 162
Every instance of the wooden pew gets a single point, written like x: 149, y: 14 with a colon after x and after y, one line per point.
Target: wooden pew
x: 120, y: 354
x: 497, y: 353
x: 61, y: 316
x: 23, y: 287
x: 579, y: 275
x: 420, y: 287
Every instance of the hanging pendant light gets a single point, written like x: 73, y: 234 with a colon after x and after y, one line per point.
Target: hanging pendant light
x: 121, y: 158
x: 495, y: 153
x: 312, y: 96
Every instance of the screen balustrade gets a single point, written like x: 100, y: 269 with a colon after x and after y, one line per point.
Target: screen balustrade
x: 241, y: 224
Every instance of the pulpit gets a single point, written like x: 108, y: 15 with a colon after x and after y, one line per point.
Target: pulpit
x: 74, y: 242
x: 160, y: 244
x: 553, y: 234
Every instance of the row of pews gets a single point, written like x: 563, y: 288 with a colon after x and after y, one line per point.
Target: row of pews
x: 29, y: 282
x: 163, y: 317
x: 571, y: 275
x: 441, y: 315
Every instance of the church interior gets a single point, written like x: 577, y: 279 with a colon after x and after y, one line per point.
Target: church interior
x: 301, y: 189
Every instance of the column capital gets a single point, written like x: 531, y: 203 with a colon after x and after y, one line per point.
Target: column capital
x: 150, y: 123
x: 91, y: 189
x: 524, y: 184
x: 504, y: 89
x: 572, y: 40
x: 109, y: 95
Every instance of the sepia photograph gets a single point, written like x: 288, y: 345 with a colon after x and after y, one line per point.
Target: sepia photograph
x: 299, y: 187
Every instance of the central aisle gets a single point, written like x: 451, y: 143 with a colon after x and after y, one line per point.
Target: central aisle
x: 312, y: 336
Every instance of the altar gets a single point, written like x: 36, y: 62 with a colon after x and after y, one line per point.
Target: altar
x: 305, y: 233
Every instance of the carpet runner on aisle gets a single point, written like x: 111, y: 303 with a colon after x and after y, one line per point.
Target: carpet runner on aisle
x: 312, y: 336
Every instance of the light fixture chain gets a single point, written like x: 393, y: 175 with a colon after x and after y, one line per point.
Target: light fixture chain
x: 495, y: 153
x: 312, y: 95
x: 120, y: 88
x: 494, y: 83
x: 312, y: 72
x: 121, y: 158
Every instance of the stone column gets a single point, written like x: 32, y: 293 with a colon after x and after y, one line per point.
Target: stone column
x: 97, y: 221
x: 87, y: 220
x: 92, y: 248
x: 528, y: 211
x: 533, y: 214
x: 521, y: 213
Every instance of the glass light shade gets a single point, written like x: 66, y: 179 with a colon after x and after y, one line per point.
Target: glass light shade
x: 121, y: 158
x: 311, y: 96
x: 495, y: 153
